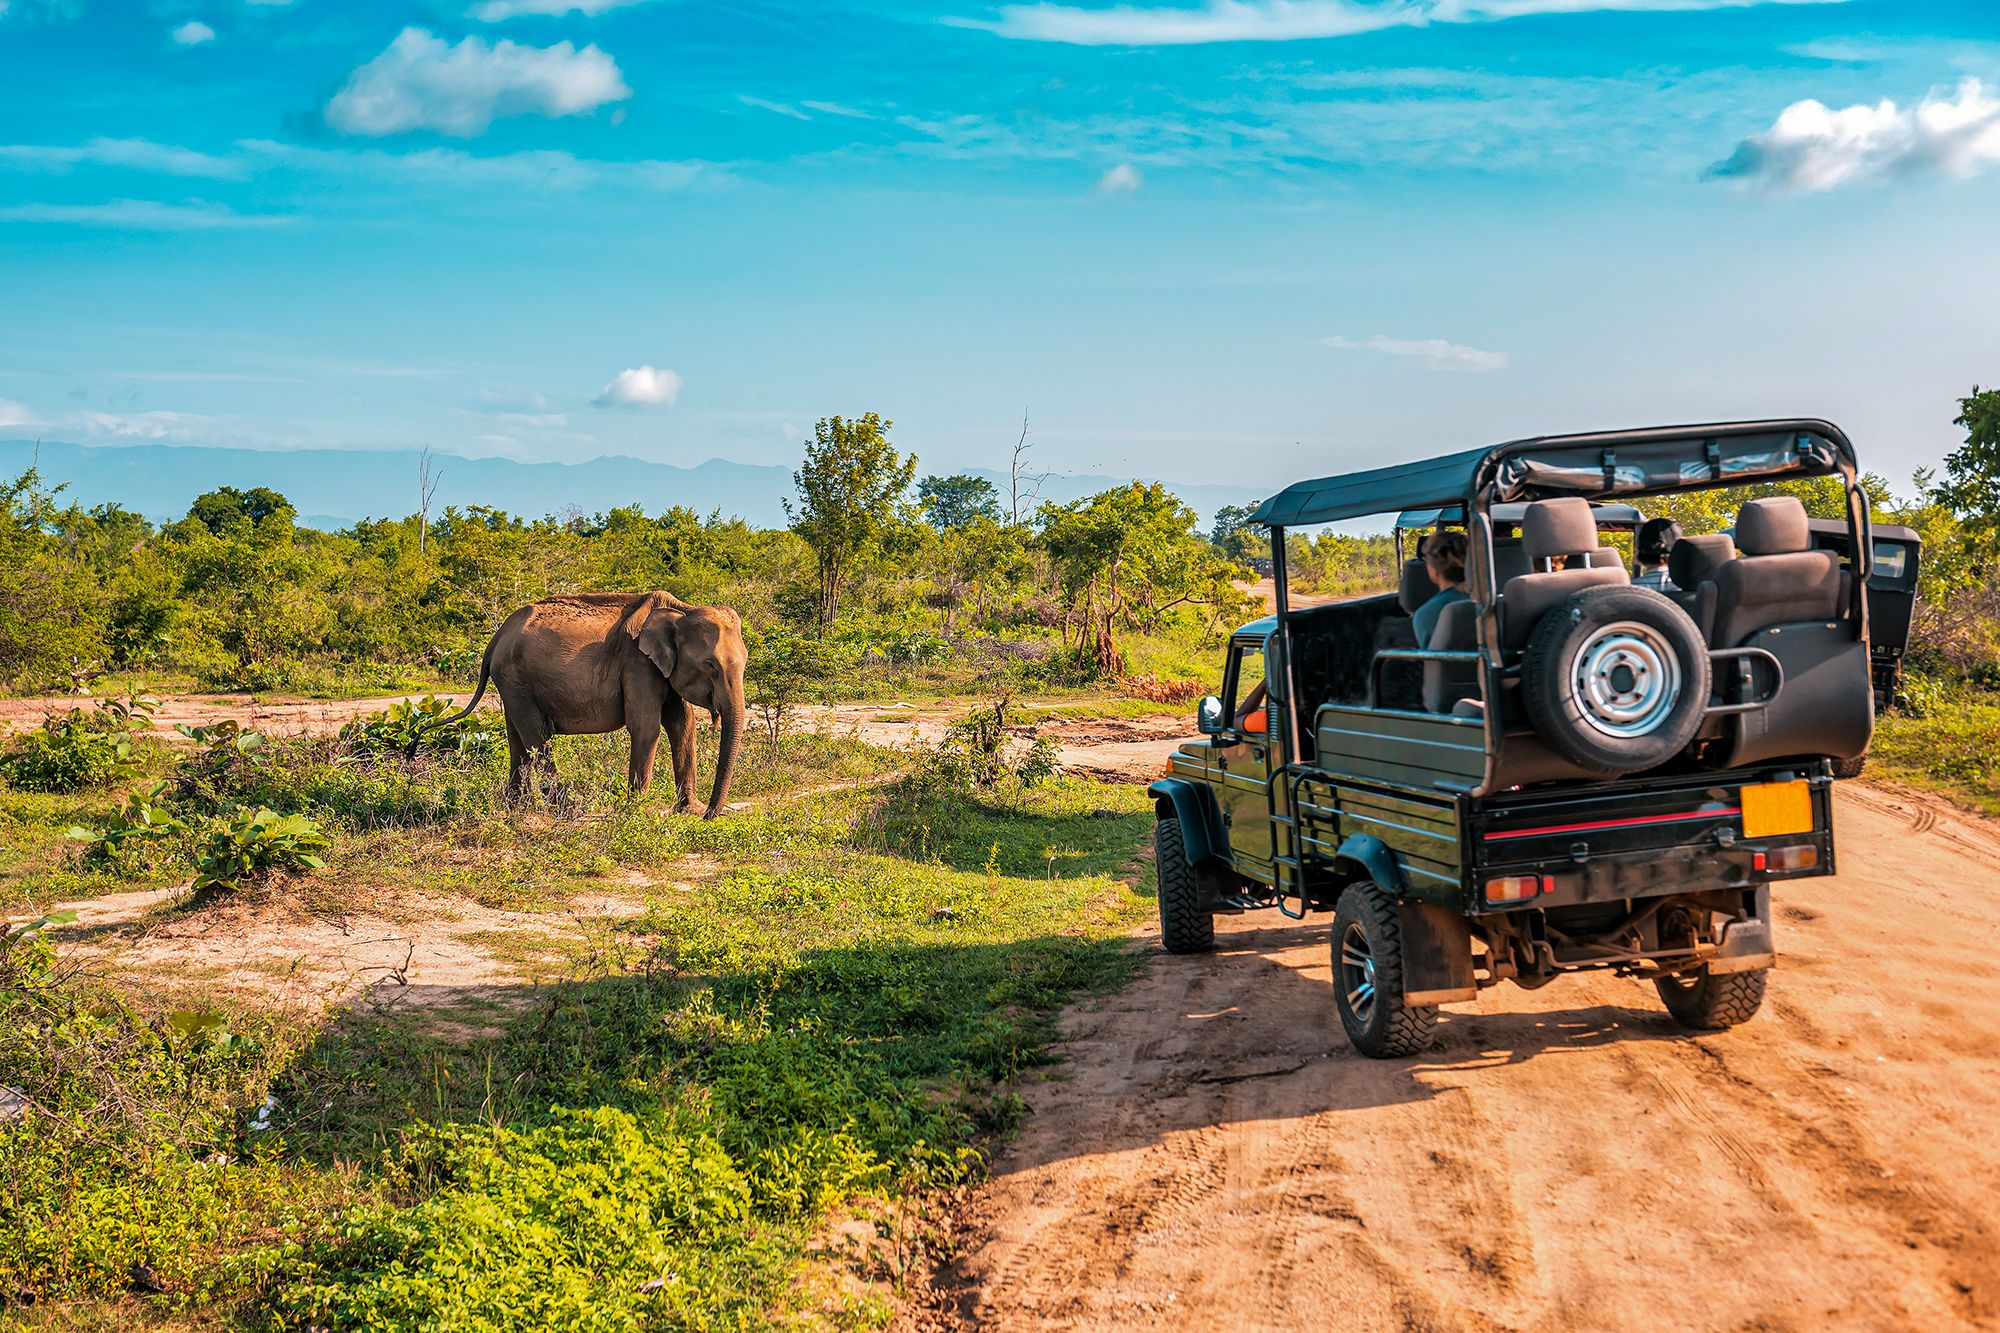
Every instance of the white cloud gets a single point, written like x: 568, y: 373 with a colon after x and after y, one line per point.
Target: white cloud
x: 193, y: 33
x: 141, y: 425
x: 836, y: 109
x: 1813, y: 147
x: 776, y: 108
x: 1291, y: 20
x: 137, y: 154
x: 496, y: 11
x: 143, y: 215
x: 535, y: 169
x: 1433, y: 353
x: 422, y: 82
x: 642, y: 386
x: 1121, y: 179
x: 13, y: 413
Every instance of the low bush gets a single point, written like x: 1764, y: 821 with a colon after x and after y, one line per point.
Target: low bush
x: 78, y: 749
x: 249, y: 847
x: 1953, y: 744
x: 134, y: 825
x: 417, y: 727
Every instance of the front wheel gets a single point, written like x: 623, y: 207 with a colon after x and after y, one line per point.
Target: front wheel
x: 1850, y: 768
x: 1184, y: 926
x: 1705, y: 1001
x: 1368, y: 976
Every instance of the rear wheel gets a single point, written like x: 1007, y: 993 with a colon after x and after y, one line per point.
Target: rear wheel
x: 1704, y: 1001
x: 1184, y: 926
x: 1368, y: 976
x: 1850, y: 768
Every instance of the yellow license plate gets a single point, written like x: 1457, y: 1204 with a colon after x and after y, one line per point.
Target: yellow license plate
x: 1772, y: 808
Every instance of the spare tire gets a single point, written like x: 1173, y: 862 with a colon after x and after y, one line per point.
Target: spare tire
x: 1616, y: 679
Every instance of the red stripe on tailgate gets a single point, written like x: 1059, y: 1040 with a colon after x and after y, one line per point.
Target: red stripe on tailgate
x: 1713, y: 812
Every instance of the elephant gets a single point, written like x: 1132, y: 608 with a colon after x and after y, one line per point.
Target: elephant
x: 588, y: 663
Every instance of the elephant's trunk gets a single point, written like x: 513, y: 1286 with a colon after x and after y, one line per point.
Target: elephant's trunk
x: 730, y: 718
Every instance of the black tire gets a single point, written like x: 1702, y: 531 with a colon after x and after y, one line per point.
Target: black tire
x: 1368, y: 976
x: 1850, y: 768
x: 1616, y: 679
x: 1706, y: 1002
x: 1185, y: 926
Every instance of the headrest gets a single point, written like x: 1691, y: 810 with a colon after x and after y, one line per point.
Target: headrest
x: 1416, y: 587
x: 1558, y: 527
x: 1694, y: 560
x: 1773, y: 525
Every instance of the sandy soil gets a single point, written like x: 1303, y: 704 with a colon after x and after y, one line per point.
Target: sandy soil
x: 1212, y: 1155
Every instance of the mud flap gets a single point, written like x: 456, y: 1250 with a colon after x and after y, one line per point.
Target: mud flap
x: 1437, y: 955
x: 1745, y: 947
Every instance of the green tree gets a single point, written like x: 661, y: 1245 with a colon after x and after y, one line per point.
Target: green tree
x: 226, y: 507
x: 50, y: 612
x: 851, y: 488
x: 1972, y: 471
x: 1131, y: 554
x: 950, y: 503
x: 1237, y: 537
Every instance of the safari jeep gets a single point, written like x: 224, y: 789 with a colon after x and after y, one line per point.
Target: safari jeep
x: 1574, y: 773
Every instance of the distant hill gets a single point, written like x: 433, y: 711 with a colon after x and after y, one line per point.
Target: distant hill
x: 333, y: 488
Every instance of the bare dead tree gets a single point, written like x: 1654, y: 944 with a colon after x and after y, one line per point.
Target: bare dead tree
x: 1015, y: 476
x: 427, y: 483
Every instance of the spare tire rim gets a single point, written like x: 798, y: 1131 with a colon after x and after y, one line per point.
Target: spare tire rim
x: 1357, y: 973
x: 1627, y: 679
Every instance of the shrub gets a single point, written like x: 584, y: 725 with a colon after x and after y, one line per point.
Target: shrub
x: 78, y: 749
x: 132, y: 825
x: 412, y: 726
x: 251, y: 845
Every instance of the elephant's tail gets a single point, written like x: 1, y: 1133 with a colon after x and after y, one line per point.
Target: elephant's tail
x: 485, y: 675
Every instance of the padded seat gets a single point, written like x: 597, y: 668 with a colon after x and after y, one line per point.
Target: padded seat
x: 1778, y: 579
x: 1551, y: 528
x: 1691, y: 564
x: 1416, y: 587
x: 1447, y: 684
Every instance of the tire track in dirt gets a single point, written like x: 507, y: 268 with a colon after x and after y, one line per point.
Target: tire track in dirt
x: 1562, y: 1159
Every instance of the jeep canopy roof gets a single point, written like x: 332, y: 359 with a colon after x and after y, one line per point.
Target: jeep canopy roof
x: 1617, y: 516
x: 1621, y: 463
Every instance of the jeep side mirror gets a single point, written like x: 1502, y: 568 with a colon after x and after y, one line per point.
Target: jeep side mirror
x: 1209, y: 717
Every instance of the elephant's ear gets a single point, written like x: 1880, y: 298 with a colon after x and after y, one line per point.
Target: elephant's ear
x: 654, y: 625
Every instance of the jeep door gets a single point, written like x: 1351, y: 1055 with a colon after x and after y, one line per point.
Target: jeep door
x: 1246, y: 756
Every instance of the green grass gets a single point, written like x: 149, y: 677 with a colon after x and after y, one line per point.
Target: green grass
x: 1954, y: 748
x: 649, y: 1139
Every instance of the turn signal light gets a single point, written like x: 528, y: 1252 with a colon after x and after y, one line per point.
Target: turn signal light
x: 1786, y: 859
x: 1513, y: 888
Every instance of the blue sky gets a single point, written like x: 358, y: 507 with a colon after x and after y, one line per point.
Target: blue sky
x: 1252, y: 239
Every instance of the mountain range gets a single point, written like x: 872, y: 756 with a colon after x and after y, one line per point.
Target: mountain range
x: 335, y: 488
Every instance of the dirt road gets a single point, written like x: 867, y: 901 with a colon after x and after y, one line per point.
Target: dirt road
x: 1213, y: 1156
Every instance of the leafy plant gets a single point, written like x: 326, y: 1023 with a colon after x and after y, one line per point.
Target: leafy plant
x: 250, y: 846
x: 72, y: 751
x: 137, y: 821
x: 413, y: 725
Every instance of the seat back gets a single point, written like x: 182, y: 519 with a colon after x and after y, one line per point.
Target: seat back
x: 1416, y: 587
x: 1510, y: 560
x: 1448, y: 683
x: 1778, y: 579
x: 1691, y: 564
x: 1551, y: 528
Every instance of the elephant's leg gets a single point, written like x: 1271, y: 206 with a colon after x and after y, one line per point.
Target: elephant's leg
x: 537, y: 759
x: 644, y: 729
x: 517, y: 760
x: 679, y: 720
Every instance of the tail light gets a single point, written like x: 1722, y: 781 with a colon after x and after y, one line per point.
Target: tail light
x: 1783, y: 860
x: 1513, y: 888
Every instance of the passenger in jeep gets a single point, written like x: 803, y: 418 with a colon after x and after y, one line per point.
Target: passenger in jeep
x: 1444, y: 560
x: 1652, y: 546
